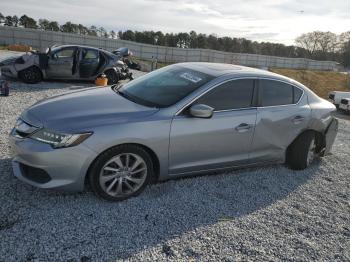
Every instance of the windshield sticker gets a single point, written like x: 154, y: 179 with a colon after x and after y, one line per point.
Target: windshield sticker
x: 190, y: 77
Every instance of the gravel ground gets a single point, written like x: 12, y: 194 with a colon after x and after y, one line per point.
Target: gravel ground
x: 268, y: 213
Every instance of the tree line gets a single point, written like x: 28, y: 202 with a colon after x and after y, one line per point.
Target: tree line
x: 314, y: 45
x: 45, y: 24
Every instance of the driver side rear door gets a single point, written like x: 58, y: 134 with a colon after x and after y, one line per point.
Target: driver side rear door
x: 89, y: 63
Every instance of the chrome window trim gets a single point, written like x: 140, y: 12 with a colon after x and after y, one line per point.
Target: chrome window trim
x: 244, y: 108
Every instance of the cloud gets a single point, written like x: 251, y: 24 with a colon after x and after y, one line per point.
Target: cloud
x: 268, y: 20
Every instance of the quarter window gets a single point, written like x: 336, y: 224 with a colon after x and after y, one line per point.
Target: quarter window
x: 273, y: 93
x: 230, y: 95
x: 297, y: 94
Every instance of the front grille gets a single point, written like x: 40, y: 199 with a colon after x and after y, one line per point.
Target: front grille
x: 331, y: 96
x: 35, y: 174
x: 344, y: 101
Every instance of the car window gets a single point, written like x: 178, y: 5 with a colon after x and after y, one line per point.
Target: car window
x: 273, y: 93
x: 230, y: 95
x: 297, y: 94
x: 90, y: 54
x: 65, y: 53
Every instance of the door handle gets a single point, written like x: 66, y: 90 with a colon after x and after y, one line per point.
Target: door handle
x: 243, y: 127
x: 298, y: 119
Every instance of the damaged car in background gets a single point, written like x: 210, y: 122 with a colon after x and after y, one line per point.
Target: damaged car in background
x: 125, y: 55
x: 66, y: 62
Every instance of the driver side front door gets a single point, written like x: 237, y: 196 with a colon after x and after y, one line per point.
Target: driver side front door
x: 62, y: 63
x: 224, y: 140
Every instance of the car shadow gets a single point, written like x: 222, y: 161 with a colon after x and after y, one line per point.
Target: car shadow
x: 162, y: 212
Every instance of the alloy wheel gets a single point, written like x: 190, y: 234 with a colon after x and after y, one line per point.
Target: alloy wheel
x: 123, y: 175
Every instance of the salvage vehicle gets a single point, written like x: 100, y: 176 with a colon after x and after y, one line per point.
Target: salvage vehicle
x: 188, y: 118
x: 68, y: 62
x: 336, y: 96
x: 345, y: 105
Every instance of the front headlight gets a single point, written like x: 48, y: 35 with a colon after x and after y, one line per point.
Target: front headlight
x: 59, y: 140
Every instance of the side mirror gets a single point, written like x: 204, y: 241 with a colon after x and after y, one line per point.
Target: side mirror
x: 201, y: 111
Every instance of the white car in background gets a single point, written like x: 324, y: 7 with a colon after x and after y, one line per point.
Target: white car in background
x: 336, y: 96
x: 345, y: 104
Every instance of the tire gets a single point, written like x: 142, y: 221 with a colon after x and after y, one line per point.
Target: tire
x: 112, y: 178
x: 112, y: 77
x: 30, y: 75
x: 302, y: 151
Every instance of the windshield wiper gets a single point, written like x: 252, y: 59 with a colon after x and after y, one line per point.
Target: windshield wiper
x: 123, y: 94
x: 133, y: 98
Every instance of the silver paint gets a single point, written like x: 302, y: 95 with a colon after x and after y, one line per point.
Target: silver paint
x: 183, y: 144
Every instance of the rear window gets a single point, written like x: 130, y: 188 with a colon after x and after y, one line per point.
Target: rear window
x: 273, y: 93
x: 344, y: 101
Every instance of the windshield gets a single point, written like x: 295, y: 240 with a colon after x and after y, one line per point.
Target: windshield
x: 164, y: 87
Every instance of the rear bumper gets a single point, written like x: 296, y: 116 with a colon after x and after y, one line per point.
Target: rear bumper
x: 330, y: 134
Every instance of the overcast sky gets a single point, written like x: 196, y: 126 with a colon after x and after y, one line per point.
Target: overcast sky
x: 262, y: 20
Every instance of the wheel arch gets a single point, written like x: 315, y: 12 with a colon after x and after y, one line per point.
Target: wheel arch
x: 34, y: 65
x: 153, y: 155
x: 320, y: 140
x: 112, y: 69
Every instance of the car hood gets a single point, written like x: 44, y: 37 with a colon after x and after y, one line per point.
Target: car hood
x: 82, y: 110
x: 8, y: 60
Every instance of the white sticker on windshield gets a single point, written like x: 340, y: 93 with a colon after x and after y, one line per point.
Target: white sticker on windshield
x: 190, y: 77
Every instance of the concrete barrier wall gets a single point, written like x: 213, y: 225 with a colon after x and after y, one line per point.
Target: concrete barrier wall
x: 39, y: 39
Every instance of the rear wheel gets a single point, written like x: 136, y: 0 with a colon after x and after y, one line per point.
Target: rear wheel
x: 121, y: 172
x: 30, y: 75
x: 112, y: 77
x: 302, y: 152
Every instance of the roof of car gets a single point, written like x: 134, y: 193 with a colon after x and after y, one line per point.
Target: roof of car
x: 83, y: 46
x: 219, y: 69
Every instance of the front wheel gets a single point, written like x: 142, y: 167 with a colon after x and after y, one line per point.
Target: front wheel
x: 121, y: 172
x: 30, y: 75
x: 302, y: 152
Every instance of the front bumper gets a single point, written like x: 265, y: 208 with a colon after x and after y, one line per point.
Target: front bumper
x: 66, y: 167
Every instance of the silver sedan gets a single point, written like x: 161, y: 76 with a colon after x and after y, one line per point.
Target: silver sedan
x: 184, y: 119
